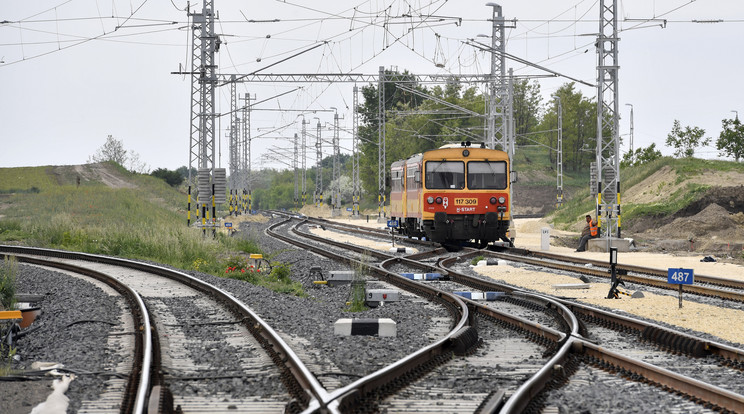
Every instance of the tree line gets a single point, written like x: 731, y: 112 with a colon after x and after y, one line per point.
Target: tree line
x: 414, y: 124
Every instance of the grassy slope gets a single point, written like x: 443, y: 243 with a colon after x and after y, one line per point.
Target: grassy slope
x: 146, y: 222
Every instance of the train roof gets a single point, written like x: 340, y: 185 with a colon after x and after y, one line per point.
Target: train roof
x: 459, y: 152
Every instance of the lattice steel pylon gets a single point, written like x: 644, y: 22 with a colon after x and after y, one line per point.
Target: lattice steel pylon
x: 608, y: 131
x: 336, y: 191
x: 304, y: 165
x: 497, y: 120
x: 203, y: 81
x: 234, y: 148
x: 381, y: 162
x: 356, y: 183
x: 245, y: 158
x: 318, y: 168
x: 296, y: 170
x: 559, y: 153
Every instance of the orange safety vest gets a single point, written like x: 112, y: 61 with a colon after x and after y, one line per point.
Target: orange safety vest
x: 593, y: 229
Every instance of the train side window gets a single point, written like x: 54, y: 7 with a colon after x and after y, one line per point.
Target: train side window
x: 444, y: 175
x: 396, y: 181
x: 487, y: 175
x: 411, y: 182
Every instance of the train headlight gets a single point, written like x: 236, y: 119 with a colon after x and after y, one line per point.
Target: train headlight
x: 430, y: 200
x: 439, y: 200
x: 493, y: 200
x: 502, y: 200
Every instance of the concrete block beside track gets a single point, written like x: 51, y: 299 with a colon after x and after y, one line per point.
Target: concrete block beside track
x: 481, y: 295
x: 376, y: 296
x: 367, y: 326
x: 422, y: 276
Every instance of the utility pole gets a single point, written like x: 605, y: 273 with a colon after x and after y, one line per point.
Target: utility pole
x: 608, y: 148
x: 381, y: 163
x: 559, y: 153
x: 356, y: 193
x: 630, y: 143
x: 497, y: 93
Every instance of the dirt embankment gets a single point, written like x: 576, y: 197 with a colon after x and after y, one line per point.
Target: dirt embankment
x: 714, y: 224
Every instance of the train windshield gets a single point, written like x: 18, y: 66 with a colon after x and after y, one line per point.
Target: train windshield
x: 445, y: 175
x: 487, y: 175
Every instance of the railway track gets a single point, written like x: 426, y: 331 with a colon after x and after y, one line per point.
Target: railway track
x: 133, y: 338
x: 417, y: 378
x: 666, y: 339
x: 708, y: 286
x: 366, y: 395
x: 190, y: 316
x: 587, y: 352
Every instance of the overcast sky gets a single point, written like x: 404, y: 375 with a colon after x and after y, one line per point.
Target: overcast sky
x: 73, y: 72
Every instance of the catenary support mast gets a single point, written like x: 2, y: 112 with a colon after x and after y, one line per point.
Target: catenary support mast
x: 608, y: 131
x: 205, y: 43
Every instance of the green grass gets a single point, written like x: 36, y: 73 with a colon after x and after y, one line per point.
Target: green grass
x: 8, y: 272
x: 26, y: 179
x: 147, y: 222
x: 476, y: 260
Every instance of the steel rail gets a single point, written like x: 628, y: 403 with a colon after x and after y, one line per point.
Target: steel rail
x: 604, y: 273
x: 693, y: 343
x: 347, y: 396
x: 524, y: 394
x: 675, y: 340
x: 713, y: 280
x: 142, y: 365
x: 368, y: 231
x: 310, y: 392
x: 689, y: 386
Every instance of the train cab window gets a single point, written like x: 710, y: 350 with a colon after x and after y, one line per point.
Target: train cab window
x: 487, y: 175
x: 445, y: 175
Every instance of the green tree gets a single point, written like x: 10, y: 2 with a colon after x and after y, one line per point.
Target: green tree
x: 112, y: 150
x: 640, y: 156
x: 731, y: 140
x: 685, y: 141
x: 579, y: 128
x: 526, y: 107
x: 395, y: 98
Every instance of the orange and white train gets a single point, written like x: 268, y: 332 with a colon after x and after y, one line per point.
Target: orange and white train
x: 453, y: 194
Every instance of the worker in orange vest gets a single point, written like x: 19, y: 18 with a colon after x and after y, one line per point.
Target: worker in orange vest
x: 591, y: 231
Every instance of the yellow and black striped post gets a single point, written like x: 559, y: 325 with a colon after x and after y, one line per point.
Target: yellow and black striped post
x: 214, y: 215
x: 204, y: 218
x: 188, y: 210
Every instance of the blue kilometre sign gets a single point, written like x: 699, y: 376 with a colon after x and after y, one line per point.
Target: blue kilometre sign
x: 680, y: 276
x: 392, y: 223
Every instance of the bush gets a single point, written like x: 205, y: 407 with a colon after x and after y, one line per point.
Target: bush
x: 173, y: 178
